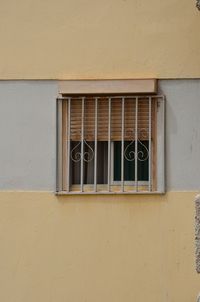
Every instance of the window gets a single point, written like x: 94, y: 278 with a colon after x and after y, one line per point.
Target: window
x: 110, y: 143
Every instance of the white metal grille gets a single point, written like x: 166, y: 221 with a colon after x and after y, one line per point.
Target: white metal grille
x: 121, y: 135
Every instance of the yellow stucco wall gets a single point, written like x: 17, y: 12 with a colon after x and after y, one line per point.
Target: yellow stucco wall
x: 113, y: 249
x: 68, y: 39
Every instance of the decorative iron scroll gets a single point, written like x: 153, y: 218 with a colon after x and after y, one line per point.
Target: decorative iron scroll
x: 87, y: 155
x: 142, y: 155
x: 129, y: 154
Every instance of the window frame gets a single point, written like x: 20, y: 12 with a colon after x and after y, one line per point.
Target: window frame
x: 126, y: 182
x: 160, y: 165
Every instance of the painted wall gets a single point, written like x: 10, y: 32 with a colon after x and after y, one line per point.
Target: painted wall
x: 116, y: 248
x: 28, y: 134
x: 99, y: 39
x: 112, y: 249
x: 108, y: 248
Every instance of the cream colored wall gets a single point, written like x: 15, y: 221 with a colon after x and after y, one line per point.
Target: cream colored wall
x: 113, y: 249
x: 99, y: 39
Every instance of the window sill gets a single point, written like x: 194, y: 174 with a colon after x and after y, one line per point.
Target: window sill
x: 114, y: 190
x: 61, y: 193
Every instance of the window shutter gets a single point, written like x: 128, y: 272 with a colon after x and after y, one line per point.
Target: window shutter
x: 116, y: 118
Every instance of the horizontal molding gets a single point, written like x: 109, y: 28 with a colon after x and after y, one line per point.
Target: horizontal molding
x: 108, y: 86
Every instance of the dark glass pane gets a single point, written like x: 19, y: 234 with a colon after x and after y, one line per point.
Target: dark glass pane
x: 88, y: 163
x: 143, y: 160
x: 129, y: 161
x: 102, y: 163
x: 117, y: 161
x: 75, y: 162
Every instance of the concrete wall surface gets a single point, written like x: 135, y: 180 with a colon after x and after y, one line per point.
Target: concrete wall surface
x: 182, y: 133
x: 67, y: 39
x: 28, y: 134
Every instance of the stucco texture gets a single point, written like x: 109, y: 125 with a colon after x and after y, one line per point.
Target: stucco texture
x: 111, y: 249
x: 99, y: 39
x: 28, y: 134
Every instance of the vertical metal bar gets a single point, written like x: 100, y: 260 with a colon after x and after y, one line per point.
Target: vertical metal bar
x: 59, y: 146
x: 68, y: 142
x: 82, y: 139
x: 57, y: 141
x: 149, y: 143
x: 95, y: 145
x: 109, y: 140
x: 164, y: 145
x: 122, y: 148
x: 136, y: 144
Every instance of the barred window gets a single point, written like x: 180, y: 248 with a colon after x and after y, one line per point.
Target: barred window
x: 110, y: 144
